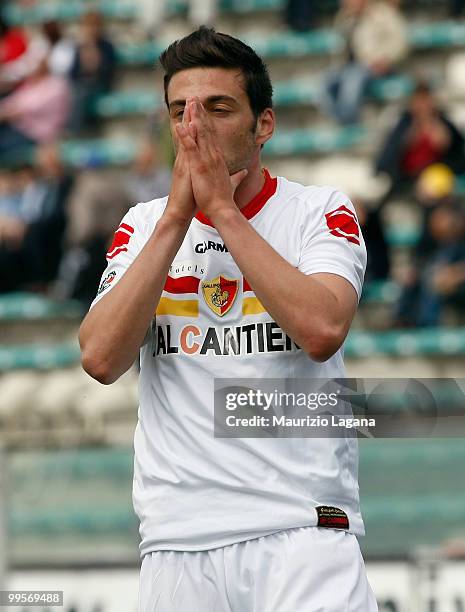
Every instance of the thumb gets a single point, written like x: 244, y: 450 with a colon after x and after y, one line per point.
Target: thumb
x: 237, y: 178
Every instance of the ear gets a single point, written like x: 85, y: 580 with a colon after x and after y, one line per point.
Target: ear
x: 265, y: 126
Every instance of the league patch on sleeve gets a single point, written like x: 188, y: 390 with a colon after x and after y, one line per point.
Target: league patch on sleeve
x: 120, y: 241
x: 331, y: 517
x: 343, y: 223
x: 109, y: 278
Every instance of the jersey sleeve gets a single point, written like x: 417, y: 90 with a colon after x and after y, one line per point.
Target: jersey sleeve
x: 123, y: 250
x: 333, y: 241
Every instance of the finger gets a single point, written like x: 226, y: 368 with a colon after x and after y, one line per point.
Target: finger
x: 187, y: 119
x: 237, y: 178
x: 204, y: 130
x: 192, y: 130
x: 186, y: 139
x: 186, y: 115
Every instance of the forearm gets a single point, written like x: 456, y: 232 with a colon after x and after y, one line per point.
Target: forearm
x: 113, y: 331
x: 301, y: 305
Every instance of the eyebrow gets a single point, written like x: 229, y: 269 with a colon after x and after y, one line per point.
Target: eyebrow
x: 209, y: 100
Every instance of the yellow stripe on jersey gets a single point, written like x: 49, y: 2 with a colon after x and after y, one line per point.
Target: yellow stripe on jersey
x: 178, y: 308
x: 251, y: 306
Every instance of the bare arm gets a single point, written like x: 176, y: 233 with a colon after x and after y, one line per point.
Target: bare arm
x: 315, y: 310
x: 112, y: 332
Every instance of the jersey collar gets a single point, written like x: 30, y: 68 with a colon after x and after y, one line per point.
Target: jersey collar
x: 255, y: 204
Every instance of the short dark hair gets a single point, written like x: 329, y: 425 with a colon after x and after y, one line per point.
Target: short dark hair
x: 207, y: 48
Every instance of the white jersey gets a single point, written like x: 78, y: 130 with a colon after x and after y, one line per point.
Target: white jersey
x: 193, y: 491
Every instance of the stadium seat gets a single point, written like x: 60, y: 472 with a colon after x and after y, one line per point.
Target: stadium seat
x: 443, y: 34
x: 421, y: 342
x: 316, y: 42
x: 455, y: 69
x: 286, y: 94
x: 14, y: 306
x: 120, y: 9
x: 17, y: 393
x: 38, y: 356
x: 407, y: 487
x: 401, y: 507
x: 380, y: 291
x: 406, y: 236
x: 96, y: 153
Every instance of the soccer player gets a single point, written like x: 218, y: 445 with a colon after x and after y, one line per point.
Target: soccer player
x: 234, y: 274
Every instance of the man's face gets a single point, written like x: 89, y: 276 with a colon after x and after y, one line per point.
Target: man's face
x: 223, y: 96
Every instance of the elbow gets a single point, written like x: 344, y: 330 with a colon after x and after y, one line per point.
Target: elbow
x: 324, y: 345
x: 94, y: 362
x: 98, y: 369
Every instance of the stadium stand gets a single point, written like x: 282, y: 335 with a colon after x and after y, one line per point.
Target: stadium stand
x: 69, y: 439
x: 82, y: 496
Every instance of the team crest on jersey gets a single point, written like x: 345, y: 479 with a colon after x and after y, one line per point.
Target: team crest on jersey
x: 220, y: 293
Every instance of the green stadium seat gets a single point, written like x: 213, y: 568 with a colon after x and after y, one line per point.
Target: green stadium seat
x: 121, y: 151
x: 440, y: 341
x: 128, y: 103
x: 87, y: 492
x: 403, y: 486
x: 406, y: 236
x: 460, y: 184
x: 391, y: 88
x: 38, y: 356
x: 380, y: 291
x: 30, y: 306
x: 139, y: 54
x: 444, y: 34
x: 318, y: 140
x: 75, y: 491
x: 95, y: 153
x: 418, y: 342
x: 323, y: 41
x: 121, y: 9
x: 286, y: 93
x: 247, y: 6
x: 67, y: 11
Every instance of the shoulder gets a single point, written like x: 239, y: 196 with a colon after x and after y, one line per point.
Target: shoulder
x: 144, y: 215
x: 322, y: 210
x: 312, y: 199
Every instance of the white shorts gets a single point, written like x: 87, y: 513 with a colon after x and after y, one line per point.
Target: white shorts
x: 307, y: 569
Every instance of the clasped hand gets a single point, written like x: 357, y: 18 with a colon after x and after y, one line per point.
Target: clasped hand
x: 201, y: 179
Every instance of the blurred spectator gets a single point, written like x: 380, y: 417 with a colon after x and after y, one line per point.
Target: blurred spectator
x: 32, y: 222
x: 441, y: 281
x: 13, y: 43
x: 300, y: 14
x: 92, y: 72
x: 62, y: 53
x: 434, y: 190
x: 96, y: 207
x: 36, y: 112
x: 151, y: 13
x: 378, y: 260
x: 376, y: 41
x: 149, y: 177
x: 19, y: 56
x: 423, y: 135
x: 13, y: 47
